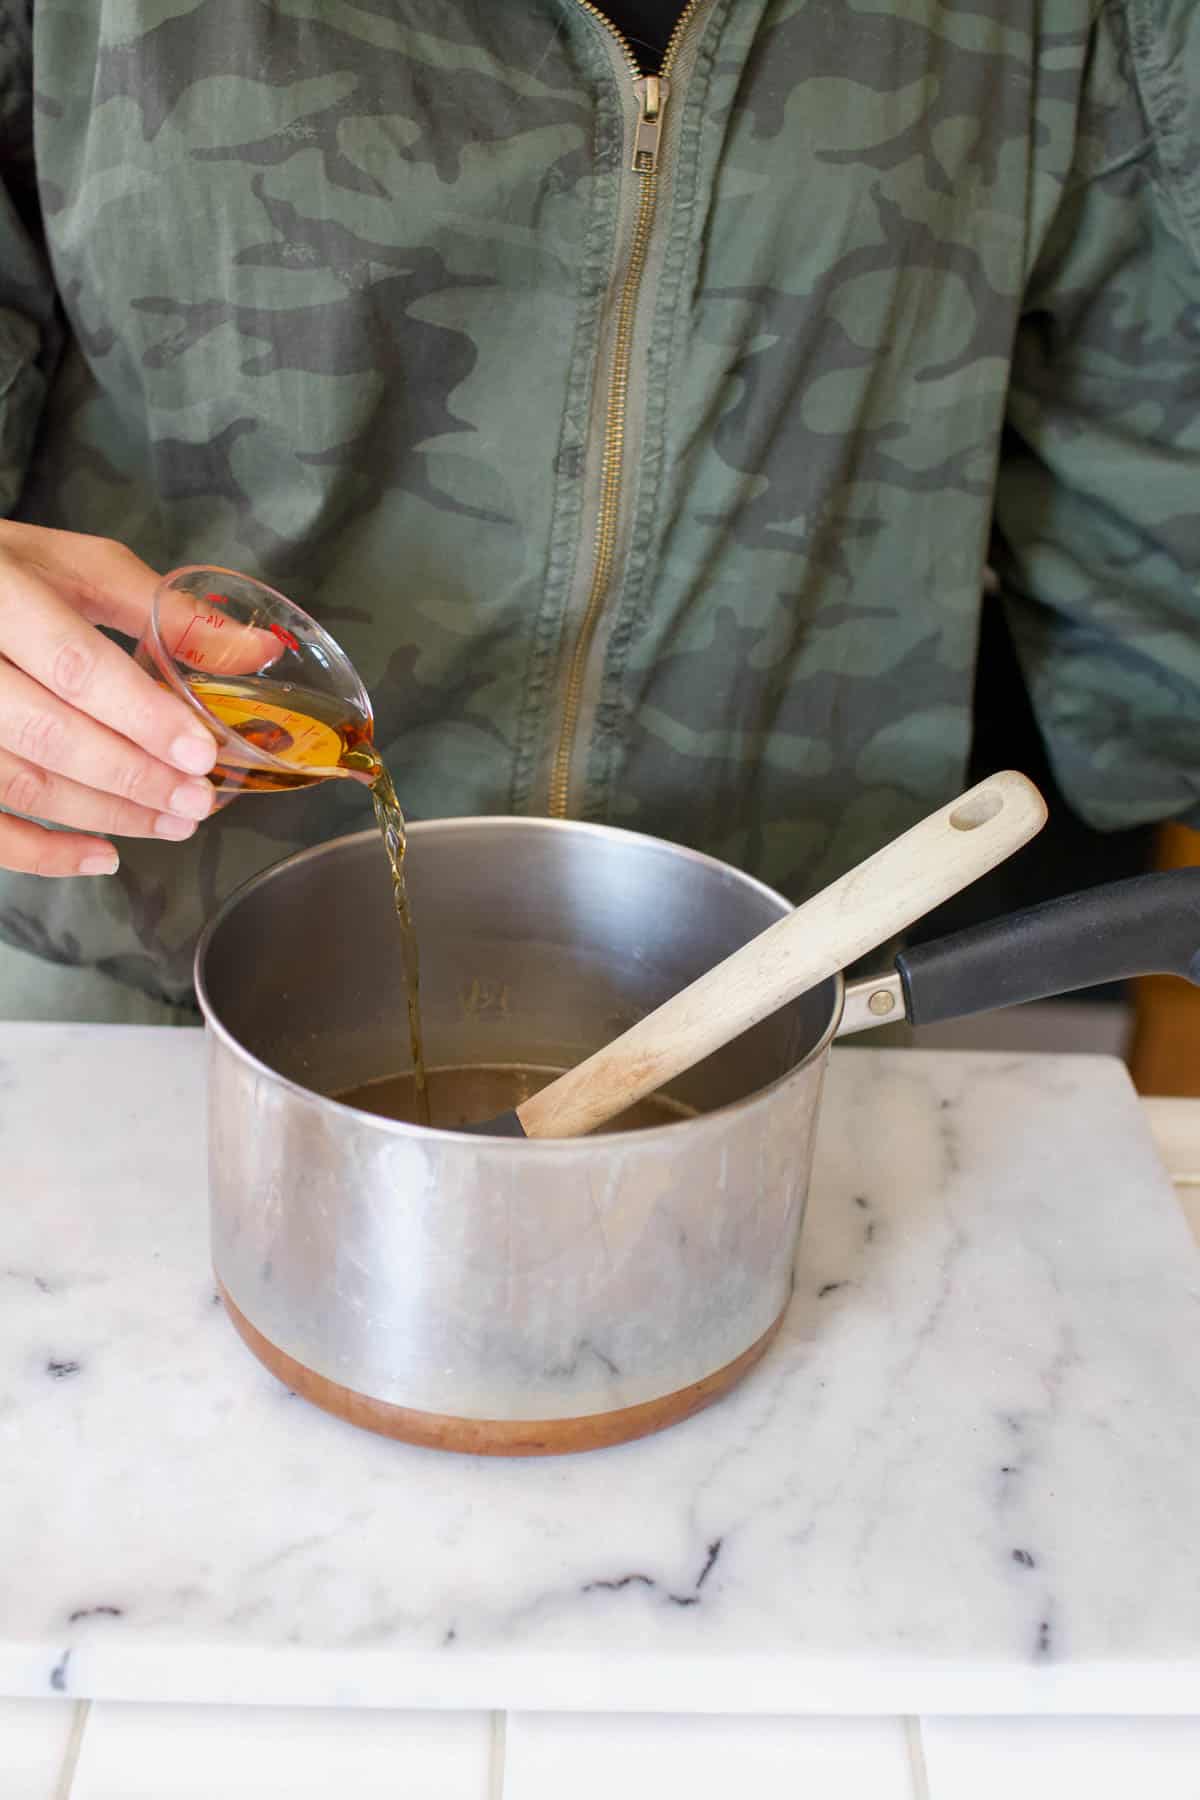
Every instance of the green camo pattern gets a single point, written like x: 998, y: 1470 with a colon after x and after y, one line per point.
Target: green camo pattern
x: 321, y: 288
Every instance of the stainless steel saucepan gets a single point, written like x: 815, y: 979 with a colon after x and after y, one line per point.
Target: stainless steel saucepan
x: 532, y: 1297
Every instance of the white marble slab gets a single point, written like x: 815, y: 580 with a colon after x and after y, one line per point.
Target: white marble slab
x: 967, y: 1478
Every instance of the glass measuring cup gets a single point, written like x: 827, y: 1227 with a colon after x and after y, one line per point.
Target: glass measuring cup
x: 282, y: 699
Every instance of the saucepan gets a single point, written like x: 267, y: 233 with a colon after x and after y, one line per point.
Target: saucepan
x: 493, y: 1296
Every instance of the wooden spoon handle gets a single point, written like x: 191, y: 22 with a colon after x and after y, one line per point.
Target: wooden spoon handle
x: 863, y: 909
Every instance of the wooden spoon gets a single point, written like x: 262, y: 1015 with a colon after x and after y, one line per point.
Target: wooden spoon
x: 863, y: 909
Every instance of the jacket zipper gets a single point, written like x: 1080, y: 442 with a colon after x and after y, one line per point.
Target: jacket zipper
x: 652, y: 93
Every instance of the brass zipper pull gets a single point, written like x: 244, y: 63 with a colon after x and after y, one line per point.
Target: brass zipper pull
x: 652, y: 91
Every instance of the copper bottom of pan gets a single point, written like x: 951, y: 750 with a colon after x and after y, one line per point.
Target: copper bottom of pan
x: 495, y: 1437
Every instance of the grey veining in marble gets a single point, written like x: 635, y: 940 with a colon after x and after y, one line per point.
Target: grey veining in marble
x: 966, y: 1477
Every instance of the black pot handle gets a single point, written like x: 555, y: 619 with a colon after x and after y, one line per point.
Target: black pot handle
x: 1149, y: 925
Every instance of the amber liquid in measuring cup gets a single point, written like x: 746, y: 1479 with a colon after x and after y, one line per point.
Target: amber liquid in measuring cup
x: 301, y: 729
x: 291, y: 724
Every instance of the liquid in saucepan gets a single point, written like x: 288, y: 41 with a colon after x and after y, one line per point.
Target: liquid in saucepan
x: 466, y: 1096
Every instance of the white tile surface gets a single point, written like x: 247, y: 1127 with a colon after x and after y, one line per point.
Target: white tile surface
x: 1189, y: 1200
x: 626, y: 1757
x: 35, y: 1736
x: 273, y: 1753
x: 1175, y: 1124
x: 1062, y: 1759
x: 994, y: 1349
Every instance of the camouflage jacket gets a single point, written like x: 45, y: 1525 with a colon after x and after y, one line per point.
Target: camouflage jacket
x: 645, y: 463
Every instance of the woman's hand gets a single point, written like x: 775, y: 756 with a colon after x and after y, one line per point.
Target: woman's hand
x: 86, y: 738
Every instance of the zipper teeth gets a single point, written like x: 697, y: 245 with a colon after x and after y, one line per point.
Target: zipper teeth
x: 610, y: 493
x: 634, y: 66
x: 676, y: 37
x: 614, y: 433
x: 669, y: 54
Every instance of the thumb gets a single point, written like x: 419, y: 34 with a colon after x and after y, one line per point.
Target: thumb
x: 104, y: 580
x: 109, y: 585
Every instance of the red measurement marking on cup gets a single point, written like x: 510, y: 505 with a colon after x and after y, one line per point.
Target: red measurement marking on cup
x: 187, y: 632
x: 285, y: 637
x: 213, y: 620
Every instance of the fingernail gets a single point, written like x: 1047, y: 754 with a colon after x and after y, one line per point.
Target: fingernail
x: 107, y: 864
x: 193, y: 800
x: 167, y: 825
x: 197, y: 752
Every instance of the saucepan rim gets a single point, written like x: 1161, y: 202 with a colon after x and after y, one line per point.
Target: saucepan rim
x: 608, y: 1142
